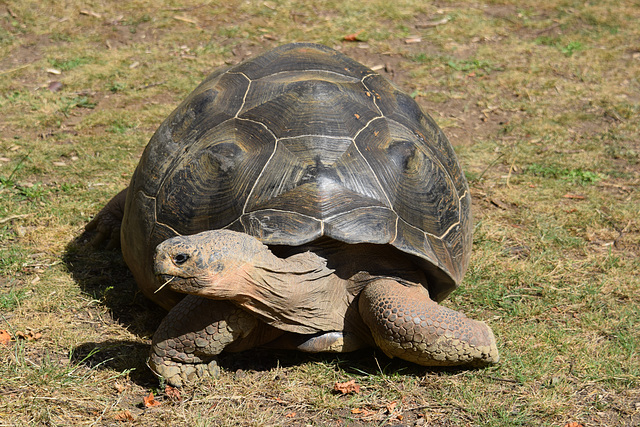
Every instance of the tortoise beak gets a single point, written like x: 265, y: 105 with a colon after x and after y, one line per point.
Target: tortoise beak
x: 162, y: 264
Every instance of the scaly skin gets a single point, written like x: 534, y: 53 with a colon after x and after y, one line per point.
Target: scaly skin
x: 406, y: 323
x: 195, y: 331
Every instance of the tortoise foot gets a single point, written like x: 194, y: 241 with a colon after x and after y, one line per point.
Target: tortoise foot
x: 195, y: 331
x: 192, y: 334
x: 406, y: 323
x: 177, y: 374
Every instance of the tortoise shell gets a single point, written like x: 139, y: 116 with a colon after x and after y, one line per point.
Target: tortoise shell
x: 295, y: 144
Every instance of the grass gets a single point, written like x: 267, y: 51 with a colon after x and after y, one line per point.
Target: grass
x: 540, y: 100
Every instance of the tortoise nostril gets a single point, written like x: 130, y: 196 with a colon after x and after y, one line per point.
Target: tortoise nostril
x: 180, y: 259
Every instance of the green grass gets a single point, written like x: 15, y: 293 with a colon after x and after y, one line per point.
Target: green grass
x: 11, y: 300
x: 68, y: 64
x: 573, y: 175
x: 471, y: 65
x: 540, y: 100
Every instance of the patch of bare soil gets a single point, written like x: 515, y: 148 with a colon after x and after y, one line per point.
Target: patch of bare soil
x: 609, y: 408
x: 27, y: 52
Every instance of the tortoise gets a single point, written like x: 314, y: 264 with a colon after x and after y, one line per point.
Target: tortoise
x: 300, y: 201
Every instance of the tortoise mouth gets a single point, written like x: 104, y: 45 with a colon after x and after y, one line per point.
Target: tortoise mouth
x: 177, y: 283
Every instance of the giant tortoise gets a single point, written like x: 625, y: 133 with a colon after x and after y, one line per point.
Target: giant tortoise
x: 300, y: 201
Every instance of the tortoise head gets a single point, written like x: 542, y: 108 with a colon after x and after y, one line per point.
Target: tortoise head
x: 195, y: 264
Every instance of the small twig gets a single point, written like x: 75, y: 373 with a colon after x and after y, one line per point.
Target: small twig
x: 12, y: 392
x: 429, y: 405
x: 490, y: 165
x: 384, y: 377
x: 621, y: 233
x: 432, y: 24
x: 188, y: 20
x: 12, y: 217
x: 520, y: 296
x: 90, y: 13
x: 34, y: 364
x: 511, y: 168
x: 506, y: 18
x: 150, y: 85
x: 505, y: 380
x: 186, y: 9
x: 553, y: 27
x: 14, y: 69
x: 116, y: 403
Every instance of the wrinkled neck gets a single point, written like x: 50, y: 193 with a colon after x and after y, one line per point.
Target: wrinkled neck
x: 285, y: 278
x: 299, y: 293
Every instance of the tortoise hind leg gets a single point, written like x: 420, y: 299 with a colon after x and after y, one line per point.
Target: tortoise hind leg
x: 108, y: 221
x: 406, y: 323
x: 195, y: 331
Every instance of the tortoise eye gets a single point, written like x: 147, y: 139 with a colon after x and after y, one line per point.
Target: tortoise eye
x: 180, y: 259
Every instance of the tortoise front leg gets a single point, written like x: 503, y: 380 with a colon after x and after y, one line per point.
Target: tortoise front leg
x: 406, y: 323
x: 195, y: 331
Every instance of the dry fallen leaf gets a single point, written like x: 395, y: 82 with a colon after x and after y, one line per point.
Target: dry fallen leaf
x: 29, y: 335
x: 347, y: 387
x: 54, y: 86
x: 172, y: 393
x: 290, y: 415
x: 573, y: 424
x: 363, y: 412
x: 573, y: 196
x: 124, y: 416
x: 150, y: 401
x: 353, y: 37
x: 391, y: 406
x: 5, y: 337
